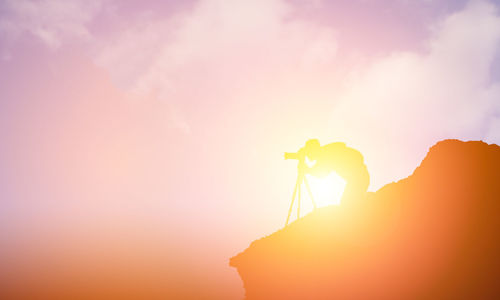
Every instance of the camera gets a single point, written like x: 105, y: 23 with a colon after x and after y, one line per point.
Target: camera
x: 299, y: 155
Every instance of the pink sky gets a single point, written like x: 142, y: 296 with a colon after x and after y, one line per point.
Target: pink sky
x: 139, y: 125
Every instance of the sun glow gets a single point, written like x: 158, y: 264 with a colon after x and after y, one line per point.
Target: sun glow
x: 327, y: 190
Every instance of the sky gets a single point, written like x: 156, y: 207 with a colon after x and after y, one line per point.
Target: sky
x: 155, y: 130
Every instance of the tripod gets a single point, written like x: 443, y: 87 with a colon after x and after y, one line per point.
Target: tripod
x: 301, y: 177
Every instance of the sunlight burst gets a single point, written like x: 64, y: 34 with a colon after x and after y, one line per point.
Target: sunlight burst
x: 327, y: 190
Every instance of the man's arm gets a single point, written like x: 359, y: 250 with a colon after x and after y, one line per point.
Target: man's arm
x: 318, y: 170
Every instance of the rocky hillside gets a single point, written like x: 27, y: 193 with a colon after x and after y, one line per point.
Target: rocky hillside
x: 435, y: 234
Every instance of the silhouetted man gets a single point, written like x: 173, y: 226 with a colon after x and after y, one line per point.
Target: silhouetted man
x: 347, y: 162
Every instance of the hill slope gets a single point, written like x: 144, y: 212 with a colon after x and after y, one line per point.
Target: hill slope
x: 433, y: 235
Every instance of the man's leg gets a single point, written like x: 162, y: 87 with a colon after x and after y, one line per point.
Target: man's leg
x: 356, y: 188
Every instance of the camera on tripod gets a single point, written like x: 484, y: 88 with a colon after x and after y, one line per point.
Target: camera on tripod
x: 301, y: 178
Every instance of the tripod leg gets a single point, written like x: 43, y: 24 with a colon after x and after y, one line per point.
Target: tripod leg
x: 293, y: 200
x: 309, y: 191
x: 298, y: 202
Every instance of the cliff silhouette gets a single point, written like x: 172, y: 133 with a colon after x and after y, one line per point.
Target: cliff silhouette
x: 432, y: 235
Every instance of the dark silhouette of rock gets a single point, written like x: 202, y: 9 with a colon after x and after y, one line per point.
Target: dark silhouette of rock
x: 432, y: 235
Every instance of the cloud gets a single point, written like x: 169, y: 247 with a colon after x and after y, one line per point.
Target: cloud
x: 51, y: 21
x: 401, y: 104
x: 218, y: 39
x: 392, y: 109
x: 214, y: 53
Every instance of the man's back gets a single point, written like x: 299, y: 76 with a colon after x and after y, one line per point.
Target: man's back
x: 344, y: 160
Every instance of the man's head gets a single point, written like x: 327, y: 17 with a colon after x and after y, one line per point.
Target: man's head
x: 312, y: 149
